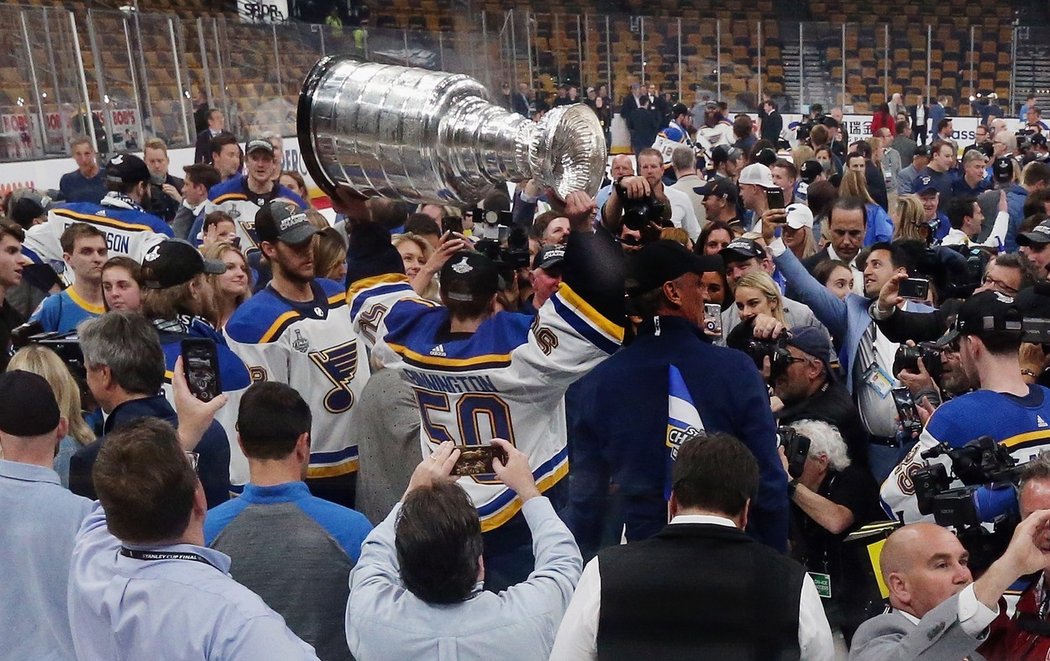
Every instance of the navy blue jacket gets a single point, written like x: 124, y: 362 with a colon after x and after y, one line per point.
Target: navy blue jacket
x: 621, y: 424
x: 213, y: 465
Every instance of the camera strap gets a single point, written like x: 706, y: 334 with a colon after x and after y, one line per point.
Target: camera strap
x: 150, y: 556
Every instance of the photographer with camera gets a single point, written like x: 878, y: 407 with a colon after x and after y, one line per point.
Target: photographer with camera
x: 1005, y: 408
x: 809, y: 390
x: 938, y: 610
x: 831, y: 497
x: 679, y: 208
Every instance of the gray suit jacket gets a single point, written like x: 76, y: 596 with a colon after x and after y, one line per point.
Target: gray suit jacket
x: 938, y: 637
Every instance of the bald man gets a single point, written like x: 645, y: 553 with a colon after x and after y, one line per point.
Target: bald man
x: 938, y: 611
x: 622, y: 166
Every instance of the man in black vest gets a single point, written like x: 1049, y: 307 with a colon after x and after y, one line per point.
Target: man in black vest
x: 753, y: 602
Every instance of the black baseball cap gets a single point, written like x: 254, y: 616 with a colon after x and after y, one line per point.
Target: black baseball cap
x: 283, y: 220
x: 1003, y: 169
x: 724, y: 154
x: 720, y: 187
x: 173, y: 262
x: 258, y: 144
x: 988, y: 311
x: 549, y: 257
x: 922, y: 150
x: 27, y: 404
x: 810, y: 170
x: 741, y: 248
x: 766, y: 157
x: 1040, y: 234
x: 665, y: 260
x: 679, y: 109
x: 469, y: 276
x: 126, y: 168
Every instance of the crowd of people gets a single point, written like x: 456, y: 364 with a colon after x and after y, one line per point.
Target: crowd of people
x: 621, y: 426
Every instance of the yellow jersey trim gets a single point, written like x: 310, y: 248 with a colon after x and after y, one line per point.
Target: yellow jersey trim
x: 584, y: 309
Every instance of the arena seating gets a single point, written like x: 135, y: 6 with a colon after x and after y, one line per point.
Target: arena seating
x: 587, y: 42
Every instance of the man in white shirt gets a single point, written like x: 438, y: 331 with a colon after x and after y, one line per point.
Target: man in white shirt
x: 966, y: 218
x: 629, y: 601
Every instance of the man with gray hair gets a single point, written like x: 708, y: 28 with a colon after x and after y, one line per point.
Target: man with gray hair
x: 125, y: 372
x: 683, y: 160
x: 830, y: 498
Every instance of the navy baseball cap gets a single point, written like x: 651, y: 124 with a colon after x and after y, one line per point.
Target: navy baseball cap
x: 812, y: 341
x: 924, y: 185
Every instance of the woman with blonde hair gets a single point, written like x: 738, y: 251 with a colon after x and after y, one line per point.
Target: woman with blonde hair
x: 678, y: 235
x: 330, y: 254
x: 44, y: 362
x: 416, y: 252
x: 756, y: 293
x: 878, y: 222
x: 801, y: 154
x: 908, y: 219
x: 232, y: 288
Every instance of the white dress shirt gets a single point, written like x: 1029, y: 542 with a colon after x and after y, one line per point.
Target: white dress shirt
x: 974, y: 617
x: 578, y: 635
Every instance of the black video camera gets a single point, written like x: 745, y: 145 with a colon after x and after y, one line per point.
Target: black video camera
x: 66, y: 345
x: 508, y: 257
x: 639, y: 212
x: 989, y: 495
x: 796, y: 449
x: 907, y: 358
x: 775, y: 350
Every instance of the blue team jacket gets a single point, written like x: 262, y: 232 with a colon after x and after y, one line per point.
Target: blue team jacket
x: 621, y: 425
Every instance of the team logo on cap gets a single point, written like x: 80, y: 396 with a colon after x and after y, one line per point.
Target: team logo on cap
x: 152, y: 254
x: 462, y: 267
x: 117, y: 160
x: 1003, y: 298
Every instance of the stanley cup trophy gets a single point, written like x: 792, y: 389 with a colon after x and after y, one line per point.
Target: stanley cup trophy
x: 431, y: 136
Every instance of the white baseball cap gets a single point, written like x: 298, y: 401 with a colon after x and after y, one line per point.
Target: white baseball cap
x: 758, y: 174
x: 799, y: 216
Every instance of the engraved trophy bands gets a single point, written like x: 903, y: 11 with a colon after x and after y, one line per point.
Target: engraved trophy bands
x: 431, y: 136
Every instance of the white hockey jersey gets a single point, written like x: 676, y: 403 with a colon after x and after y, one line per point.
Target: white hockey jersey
x: 313, y: 348
x: 506, y: 380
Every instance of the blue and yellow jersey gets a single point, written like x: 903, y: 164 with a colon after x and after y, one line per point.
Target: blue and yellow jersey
x: 505, y: 380
x: 129, y: 231
x: 313, y: 348
x: 1022, y: 424
x: 235, y: 198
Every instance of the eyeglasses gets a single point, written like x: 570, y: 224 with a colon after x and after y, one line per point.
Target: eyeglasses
x: 194, y: 459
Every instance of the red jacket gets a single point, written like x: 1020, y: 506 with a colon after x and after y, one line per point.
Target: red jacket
x: 882, y: 120
x: 1008, y: 641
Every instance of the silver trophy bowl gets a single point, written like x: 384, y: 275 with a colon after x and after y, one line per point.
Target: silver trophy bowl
x: 431, y: 136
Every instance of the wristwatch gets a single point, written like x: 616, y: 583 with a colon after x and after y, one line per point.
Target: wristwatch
x: 792, y: 485
x: 877, y: 314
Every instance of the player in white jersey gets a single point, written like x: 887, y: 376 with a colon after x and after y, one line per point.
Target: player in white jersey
x: 479, y: 374
x: 128, y: 228
x: 297, y: 331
